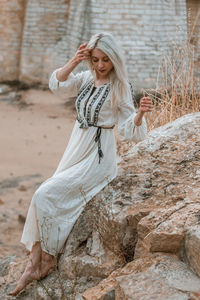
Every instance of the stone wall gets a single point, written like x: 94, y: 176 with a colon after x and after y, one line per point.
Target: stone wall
x: 45, y: 25
x: 54, y: 29
x: 193, y: 21
x: 11, y: 32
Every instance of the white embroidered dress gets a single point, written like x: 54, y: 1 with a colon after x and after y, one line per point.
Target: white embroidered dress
x: 81, y: 173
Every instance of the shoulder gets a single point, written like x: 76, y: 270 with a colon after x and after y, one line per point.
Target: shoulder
x: 128, y: 96
x: 86, y: 76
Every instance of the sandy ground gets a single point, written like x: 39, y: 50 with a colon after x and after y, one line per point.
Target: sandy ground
x: 33, y: 138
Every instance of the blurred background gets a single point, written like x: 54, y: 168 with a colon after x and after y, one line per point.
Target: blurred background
x: 38, y: 36
x: 161, y: 42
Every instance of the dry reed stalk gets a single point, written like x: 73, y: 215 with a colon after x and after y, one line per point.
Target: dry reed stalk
x: 178, y: 92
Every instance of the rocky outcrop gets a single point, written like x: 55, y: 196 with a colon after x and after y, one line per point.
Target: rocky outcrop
x: 158, y: 277
x: 140, y: 237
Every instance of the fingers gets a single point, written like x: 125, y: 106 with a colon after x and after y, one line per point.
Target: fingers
x: 146, y: 99
x: 83, y: 53
x: 146, y: 104
x: 82, y: 56
x: 82, y: 46
x: 83, y: 50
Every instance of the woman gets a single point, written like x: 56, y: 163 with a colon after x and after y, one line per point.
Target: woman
x: 104, y: 98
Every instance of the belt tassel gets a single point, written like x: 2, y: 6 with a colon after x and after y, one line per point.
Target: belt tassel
x: 98, y: 140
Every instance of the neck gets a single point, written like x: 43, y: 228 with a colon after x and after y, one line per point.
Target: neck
x: 101, y: 79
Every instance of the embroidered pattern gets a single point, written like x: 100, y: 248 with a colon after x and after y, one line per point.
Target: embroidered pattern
x: 132, y: 93
x: 84, y: 90
x: 88, y: 114
x: 85, y: 118
x: 84, y: 86
x: 99, y: 105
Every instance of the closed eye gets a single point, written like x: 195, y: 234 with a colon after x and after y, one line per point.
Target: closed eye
x: 96, y: 59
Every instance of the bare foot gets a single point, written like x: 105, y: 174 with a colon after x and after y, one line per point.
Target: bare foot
x: 46, y: 265
x: 28, y: 276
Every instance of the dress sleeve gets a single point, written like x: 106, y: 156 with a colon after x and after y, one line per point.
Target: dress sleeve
x: 126, y: 126
x: 68, y: 88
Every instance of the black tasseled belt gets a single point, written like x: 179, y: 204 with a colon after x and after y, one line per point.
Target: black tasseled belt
x: 98, y: 136
x: 98, y: 139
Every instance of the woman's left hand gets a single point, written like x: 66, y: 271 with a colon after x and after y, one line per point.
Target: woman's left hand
x: 146, y: 105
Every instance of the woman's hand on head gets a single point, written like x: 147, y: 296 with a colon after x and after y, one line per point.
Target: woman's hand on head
x: 146, y: 104
x: 83, y: 53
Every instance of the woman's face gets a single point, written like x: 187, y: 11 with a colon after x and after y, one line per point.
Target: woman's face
x: 101, y: 63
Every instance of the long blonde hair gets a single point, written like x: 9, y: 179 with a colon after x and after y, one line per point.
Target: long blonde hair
x: 118, y: 76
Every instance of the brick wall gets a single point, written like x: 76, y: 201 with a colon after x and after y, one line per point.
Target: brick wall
x: 144, y: 28
x: 45, y: 25
x: 193, y: 21
x: 11, y: 32
x: 54, y: 29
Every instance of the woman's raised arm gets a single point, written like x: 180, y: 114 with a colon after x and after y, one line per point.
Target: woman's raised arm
x: 82, y: 54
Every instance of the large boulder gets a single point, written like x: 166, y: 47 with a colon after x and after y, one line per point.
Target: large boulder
x: 159, y: 277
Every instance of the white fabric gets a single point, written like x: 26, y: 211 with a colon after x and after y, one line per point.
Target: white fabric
x: 59, y: 200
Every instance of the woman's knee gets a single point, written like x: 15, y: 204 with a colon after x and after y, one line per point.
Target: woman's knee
x: 40, y: 193
x: 45, y: 191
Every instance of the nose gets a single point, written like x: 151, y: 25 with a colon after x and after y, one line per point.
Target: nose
x: 100, y: 64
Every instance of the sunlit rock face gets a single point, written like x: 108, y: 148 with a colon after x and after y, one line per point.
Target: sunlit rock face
x: 139, y: 238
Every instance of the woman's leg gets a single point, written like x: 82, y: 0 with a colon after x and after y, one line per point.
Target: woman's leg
x: 48, y: 262
x: 32, y: 270
x: 38, y: 266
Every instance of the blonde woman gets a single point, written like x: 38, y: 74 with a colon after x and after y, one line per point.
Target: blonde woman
x: 104, y: 99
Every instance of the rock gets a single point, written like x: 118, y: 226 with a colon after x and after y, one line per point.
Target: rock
x: 107, y: 286
x: 110, y: 295
x: 147, y: 184
x: 4, y: 89
x: 4, y: 265
x: 22, y: 188
x: 192, y: 248
x: 164, y: 230
x: 21, y: 218
x: 82, y: 229
x: 81, y: 263
x: 12, y: 97
x: 16, y: 269
x: 161, y: 277
x: 146, y: 286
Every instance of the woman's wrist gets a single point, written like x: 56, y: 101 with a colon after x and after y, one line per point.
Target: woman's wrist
x: 138, y: 118
x: 74, y: 61
x: 64, y: 72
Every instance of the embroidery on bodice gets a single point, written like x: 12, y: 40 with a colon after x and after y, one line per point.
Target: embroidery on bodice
x: 82, y: 93
x: 88, y: 109
x: 99, y: 105
x: 85, y: 101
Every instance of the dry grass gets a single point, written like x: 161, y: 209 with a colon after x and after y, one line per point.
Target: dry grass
x: 178, y: 93
x: 178, y: 81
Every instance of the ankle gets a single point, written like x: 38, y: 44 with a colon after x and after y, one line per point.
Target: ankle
x: 47, y: 257
x: 32, y: 267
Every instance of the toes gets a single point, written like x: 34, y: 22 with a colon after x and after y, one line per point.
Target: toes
x: 24, y: 281
x: 16, y: 291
